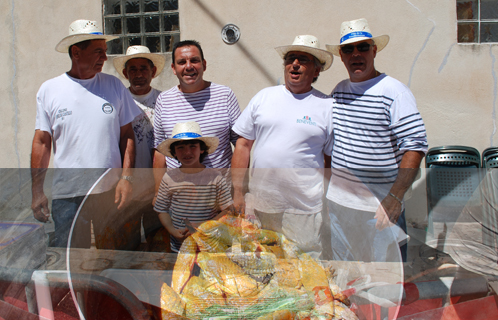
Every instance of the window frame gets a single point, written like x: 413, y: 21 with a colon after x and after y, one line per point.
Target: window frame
x: 124, y: 36
x: 478, y: 22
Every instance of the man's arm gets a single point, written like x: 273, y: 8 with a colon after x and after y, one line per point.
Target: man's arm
x: 127, y: 149
x: 240, y: 163
x: 391, y: 205
x: 159, y: 167
x: 40, y: 158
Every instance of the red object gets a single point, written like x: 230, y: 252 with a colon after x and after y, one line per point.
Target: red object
x: 478, y: 309
x: 323, y: 295
x: 411, y: 292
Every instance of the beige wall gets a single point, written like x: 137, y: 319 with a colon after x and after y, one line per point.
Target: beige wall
x: 455, y: 85
x: 33, y: 30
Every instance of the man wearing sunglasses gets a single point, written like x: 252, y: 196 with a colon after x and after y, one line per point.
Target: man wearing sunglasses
x: 380, y: 140
x: 290, y: 127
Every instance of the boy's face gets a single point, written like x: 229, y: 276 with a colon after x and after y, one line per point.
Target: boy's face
x: 189, y: 154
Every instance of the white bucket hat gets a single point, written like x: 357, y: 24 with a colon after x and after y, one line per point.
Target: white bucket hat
x: 82, y: 30
x: 354, y: 31
x: 308, y: 44
x: 187, y: 131
x: 134, y: 52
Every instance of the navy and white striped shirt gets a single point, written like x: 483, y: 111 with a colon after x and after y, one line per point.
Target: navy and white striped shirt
x: 197, y: 196
x: 375, y: 122
x: 215, y: 109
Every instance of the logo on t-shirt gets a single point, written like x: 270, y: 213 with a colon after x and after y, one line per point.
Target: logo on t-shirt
x: 63, y: 113
x: 306, y: 120
x: 107, y: 108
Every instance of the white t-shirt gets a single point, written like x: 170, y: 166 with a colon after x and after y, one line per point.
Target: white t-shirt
x: 375, y: 122
x: 292, y: 132
x: 143, y: 127
x: 84, y: 118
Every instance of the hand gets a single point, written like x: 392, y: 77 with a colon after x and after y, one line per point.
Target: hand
x: 387, y: 213
x: 123, y: 193
x: 237, y: 213
x: 39, y: 205
x: 180, y: 234
x: 196, y: 224
x: 239, y: 204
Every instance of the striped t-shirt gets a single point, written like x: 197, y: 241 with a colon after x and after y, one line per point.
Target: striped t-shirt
x: 197, y: 196
x: 215, y: 109
x: 375, y: 122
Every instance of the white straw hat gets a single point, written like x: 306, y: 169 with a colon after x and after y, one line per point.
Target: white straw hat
x: 308, y: 44
x: 82, y: 30
x: 134, y: 52
x: 354, y: 31
x: 187, y: 131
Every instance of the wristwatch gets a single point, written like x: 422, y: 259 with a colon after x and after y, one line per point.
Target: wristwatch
x: 128, y: 178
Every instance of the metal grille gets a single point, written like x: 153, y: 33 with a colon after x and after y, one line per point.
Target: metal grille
x: 454, y: 184
x: 453, y: 160
x: 490, y: 158
x: 453, y: 175
x: 151, y: 23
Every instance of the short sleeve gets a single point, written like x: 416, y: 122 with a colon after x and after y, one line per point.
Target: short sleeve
x: 329, y: 141
x: 163, y: 201
x: 129, y: 109
x: 223, y: 195
x: 159, y: 133
x: 244, y: 126
x: 43, y: 122
x: 234, y: 114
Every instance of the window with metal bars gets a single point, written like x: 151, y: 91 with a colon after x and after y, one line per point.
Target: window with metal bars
x: 477, y: 21
x: 151, y: 23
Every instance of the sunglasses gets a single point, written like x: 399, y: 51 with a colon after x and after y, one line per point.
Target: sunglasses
x: 362, y: 47
x: 292, y: 57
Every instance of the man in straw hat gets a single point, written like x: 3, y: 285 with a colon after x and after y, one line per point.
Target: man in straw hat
x: 380, y: 140
x: 290, y: 127
x: 213, y: 106
x: 87, y: 117
x: 140, y: 66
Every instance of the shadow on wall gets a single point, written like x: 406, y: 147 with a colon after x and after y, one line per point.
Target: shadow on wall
x: 243, y: 49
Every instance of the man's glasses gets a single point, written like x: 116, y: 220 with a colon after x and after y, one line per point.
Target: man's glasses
x: 292, y: 57
x: 362, y: 47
